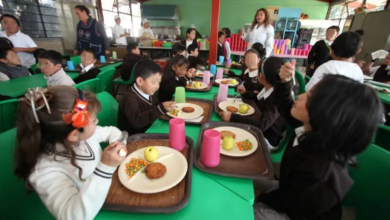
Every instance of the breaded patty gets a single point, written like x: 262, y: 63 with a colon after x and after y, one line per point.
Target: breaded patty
x: 155, y: 170
x: 227, y: 134
x: 200, y: 74
x: 225, y: 82
x: 188, y: 109
x: 232, y: 109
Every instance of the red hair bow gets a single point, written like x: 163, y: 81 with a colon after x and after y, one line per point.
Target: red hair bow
x: 79, y: 116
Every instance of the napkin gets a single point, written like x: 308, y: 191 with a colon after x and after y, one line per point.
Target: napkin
x: 380, y: 54
x: 198, y: 119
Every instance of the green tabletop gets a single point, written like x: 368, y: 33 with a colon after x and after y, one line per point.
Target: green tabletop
x: 383, y: 96
x: 17, y: 87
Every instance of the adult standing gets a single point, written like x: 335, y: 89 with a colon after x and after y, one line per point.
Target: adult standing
x: 119, y: 33
x: 24, y: 46
x: 146, y: 34
x: 90, y: 33
x: 261, y: 31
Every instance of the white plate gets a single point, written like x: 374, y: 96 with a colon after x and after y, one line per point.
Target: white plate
x: 202, y: 85
x: 223, y: 105
x: 241, y: 135
x: 379, y: 84
x: 200, y: 72
x: 173, y: 160
x: 230, y: 84
x: 183, y: 115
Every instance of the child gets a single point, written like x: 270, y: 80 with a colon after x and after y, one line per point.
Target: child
x: 59, y: 155
x: 227, y: 51
x: 314, y: 170
x: 221, y: 41
x: 195, y: 61
x: 190, y: 38
x: 269, y: 121
x: 35, y: 67
x: 320, y: 52
x: 88, y: 71
x: 50, y: 62
x: 129, y: 61
x: 139, y: 107
x: 10, y: 67
x: 178, y: 49
x: 344, y: 49
x: 173, y: 78
x: 250, y: 75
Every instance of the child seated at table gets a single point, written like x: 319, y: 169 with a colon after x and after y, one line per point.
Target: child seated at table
x: 195, y: 61
x: 344, y: 49
x: 251, y: 73
x: 88, y: 69
x: 173, y: 77
x: 179, y: 49
x: 268, y: 120
x: 328, y: 119
x: 140, y: 107
x: 59, y: 155
x: 129, y: 61
x: 10, y: 67
x: 50, y: 62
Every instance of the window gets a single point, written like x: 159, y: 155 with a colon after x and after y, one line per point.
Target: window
x: 38, y: 18
x: 130, y: 14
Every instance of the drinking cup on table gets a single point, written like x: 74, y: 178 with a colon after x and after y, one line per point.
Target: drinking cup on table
x: 177, y: 134
x: 102, y: 59
x: 213, y: 69
x: 70, y: 65
x: 211, y: 144
x: 219, y: 73
x: 180, y: 95
x: 222, y: 93
x: 114, y: 55
x: 206, y: 77
x: 221, y: 59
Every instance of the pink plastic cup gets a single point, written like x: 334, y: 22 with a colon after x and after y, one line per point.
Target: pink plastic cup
x: 222, y: 93
x: 219, y: 73
x: 211, y: 144
x: 206, y: 77
x: 177, y: 134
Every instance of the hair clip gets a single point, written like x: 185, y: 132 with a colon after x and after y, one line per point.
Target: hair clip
x: 79, y: 116
x: 33, y: 97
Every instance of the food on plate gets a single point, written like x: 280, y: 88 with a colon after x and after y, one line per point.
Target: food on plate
x: 197, y: 85
x: 188, y: 109
x: 233, y: 62
x: 225, y: 81
x: 155, y: 170
x: 151, y: 154
x: 175, y: 112
x: 244, y: 108
x: 134, y: 166
x: 200, y: 74
x: 123, y: 152
x: 228, y: 143
x: 232, y: 109
x: 245, y: 145
x: 233, y: 81
x: 227, y: 134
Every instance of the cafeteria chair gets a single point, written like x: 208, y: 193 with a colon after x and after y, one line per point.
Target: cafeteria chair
x: 127, y: 83
x: 76, y: 60
x: 382, y: 137
x: 308, y: 78
x: 8, y: 114
x: 370, y: 194
x: 106, y: 78
x: 301, y: 82
x: 108, y: 116
x: 92, y: 85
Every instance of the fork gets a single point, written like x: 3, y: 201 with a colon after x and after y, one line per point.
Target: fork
x: 292, y: 90
x: 235, y: 95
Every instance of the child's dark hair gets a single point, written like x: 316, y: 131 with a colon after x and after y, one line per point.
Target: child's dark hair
x: 220, y: 34
x: 178, y: 48
x: 347, y: 44
x: 89, y: 50
x: 4, y: 53
x: 334, y: 27
x: 83, y: 8
x: 36, y: 139
x: 37, y: 52
x: 131, y: 46
x: 180, y: 60
x: 192, y: 47
x: 10, y: 16
x: 227, y: 32
x: 146, y: 68
x: 271, y: 68
x: 189, y: 30
x: 52, y: 55
x: 260, y: 49
x: 344, y: 115
x: 360, y: 31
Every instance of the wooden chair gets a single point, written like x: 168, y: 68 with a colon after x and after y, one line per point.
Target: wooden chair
x: 8, y: 114
x: 92, y: 85
x: 106, y: 80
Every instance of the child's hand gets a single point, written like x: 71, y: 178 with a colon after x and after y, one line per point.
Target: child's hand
x: 241, y: 90
x: 360, y: 63
x: 111, y: 156
x: 226, y: 71
x: 169, y: 106
x: 287, y: 71
x: 225, y: 116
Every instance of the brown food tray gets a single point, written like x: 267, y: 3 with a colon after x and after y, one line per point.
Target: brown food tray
x: 246, y: 101
x: 121, y: 199
x: 207, y: 106
x: 201, y: 90
x: 255, y: 166
x: 237, y: 78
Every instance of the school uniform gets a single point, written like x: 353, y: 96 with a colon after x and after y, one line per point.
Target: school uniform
x: 59, y: 78
x: 57, y: 181
x: 269, y: 121
x: 251, y: 83
x: 336, y: 67
x: 129, y: 62
x: 87, y: 73
x: 311, y: 186
x: 195, y: 62
x: 12, y: 72
x: 188, y: 43
x: 319, y: 54
x: 220, y: 51
x: 137, y: 111
x: 168, y: 86
x: 382, y: 74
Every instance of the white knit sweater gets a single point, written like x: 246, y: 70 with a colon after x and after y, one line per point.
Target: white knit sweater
x: 58, y: 184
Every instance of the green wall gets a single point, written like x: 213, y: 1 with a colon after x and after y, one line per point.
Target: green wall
x: 235, y: 13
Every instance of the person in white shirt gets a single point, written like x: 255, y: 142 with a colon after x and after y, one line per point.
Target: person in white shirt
x: 119, y: 33
x: 59, y: 155
x: 23, y: 44
x: 344, y: 49
x: 261, y: 31
x: 50, y: 62
x: 146, y: 34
